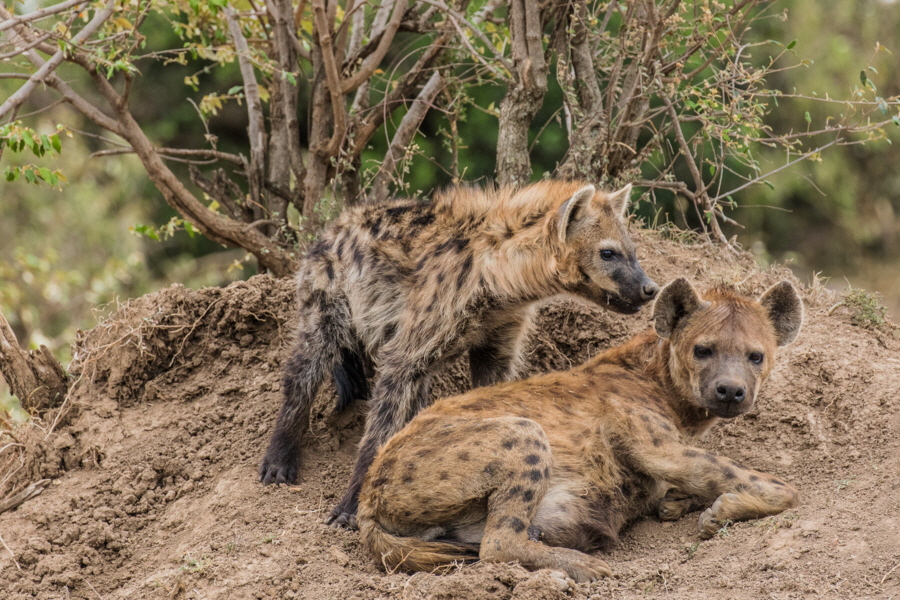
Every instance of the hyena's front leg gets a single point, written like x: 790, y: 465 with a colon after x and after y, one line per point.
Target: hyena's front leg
x: 323, y: 332
x: 499, y: 356
x: 737, y: 493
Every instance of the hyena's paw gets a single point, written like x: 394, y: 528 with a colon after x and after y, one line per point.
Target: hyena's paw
x: 580, y: 566
x: 674, y: 506
x: 713, y: 518
x: 279, y: 465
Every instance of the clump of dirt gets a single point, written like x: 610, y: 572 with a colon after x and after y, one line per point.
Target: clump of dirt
x: 153, y: 461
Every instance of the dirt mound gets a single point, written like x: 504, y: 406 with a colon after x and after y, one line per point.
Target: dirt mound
x: 153, y: 461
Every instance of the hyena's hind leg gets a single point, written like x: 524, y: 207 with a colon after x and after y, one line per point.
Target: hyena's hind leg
x: 351, y: 376
x: 521, y: 481
x: 323, y: 334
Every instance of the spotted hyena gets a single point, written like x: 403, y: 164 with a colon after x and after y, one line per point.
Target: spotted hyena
x: 545, y: 470
x: 406, y: 286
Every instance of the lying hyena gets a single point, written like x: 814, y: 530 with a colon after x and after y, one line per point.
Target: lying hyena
x: 544, y: 470
x: 409, y: 285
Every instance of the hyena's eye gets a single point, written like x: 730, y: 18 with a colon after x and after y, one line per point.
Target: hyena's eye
x: 702, y: 351
x: 756, y: 357
x: 607, y: 254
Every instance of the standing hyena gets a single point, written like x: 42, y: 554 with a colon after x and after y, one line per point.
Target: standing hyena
x: 407, y: 286
x: 544, y: 470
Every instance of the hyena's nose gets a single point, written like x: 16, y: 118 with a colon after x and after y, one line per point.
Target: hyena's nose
x: 730, y: 392
x: 649, y: 291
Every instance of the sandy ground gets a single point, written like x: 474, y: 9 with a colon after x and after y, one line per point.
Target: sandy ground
x: 153, y: 463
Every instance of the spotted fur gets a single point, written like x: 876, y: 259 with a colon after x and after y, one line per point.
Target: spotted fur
x: 547, y: 470
x: 406, y: 286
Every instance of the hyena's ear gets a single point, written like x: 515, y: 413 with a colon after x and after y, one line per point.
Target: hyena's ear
x: 619, y: 200
x: 785, y: 309
x: 675, y: 301
x: 572, y: 211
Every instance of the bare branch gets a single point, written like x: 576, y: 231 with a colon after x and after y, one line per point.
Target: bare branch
x: 404, y: 135
x: 373, y: 60
x: 232, y: 158
x: 323, y: 31
x: 700, y: 194
x: 38, y: 14
x: 48, y: 67
x: 257, y: 126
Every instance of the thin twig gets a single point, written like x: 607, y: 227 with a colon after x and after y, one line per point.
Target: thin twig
x: 333, y: 79
x: 232, y: 158
x: 8, y: 549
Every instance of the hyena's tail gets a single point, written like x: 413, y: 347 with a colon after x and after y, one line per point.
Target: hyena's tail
x: 412, y: 554
x: 350, y: 378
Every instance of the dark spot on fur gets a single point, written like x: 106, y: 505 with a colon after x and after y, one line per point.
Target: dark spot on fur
x: 665, y: 426
x: 340, y: 249
x: 329, y: 271
x: 407, y: 513
x: 546, y: 471
x: 396, y: 212
x: 464, y: 456
x: 656, y: 441
x: 741, y: 487
x: 407, y: 479
x: 358, y: 257
x: 728, y: 473
x: 464, y: 272
x: 528, y: 495
x: 534, y: 475
x: 379, y: 482
x: 424, y: 452
x: 440, y: 277
x: 777, y: 482
x: 319, y: 249
x: 444, y: 476
x: 491, y: 469
x: 711, y: 458
x: 688, y: 453
x: 389, y: 332
x: 423, y: 220
x: 524, y: 423
x: 645, y: 418
x: 535, y: 534
x: 514, y: 491
x: 532, y: 459
x: 517, y: 524
x: 532, y: 220
x: 754, y: 478
x: 509, y: 444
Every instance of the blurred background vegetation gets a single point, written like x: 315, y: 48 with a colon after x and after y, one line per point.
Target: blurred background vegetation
x: 68, y: 257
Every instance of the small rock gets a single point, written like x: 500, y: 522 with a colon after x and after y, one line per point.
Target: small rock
x: 339, y: 555
x: 64, y: 441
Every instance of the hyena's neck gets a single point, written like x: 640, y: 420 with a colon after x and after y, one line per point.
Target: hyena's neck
x: 651, y: 356
x: 522, y: 267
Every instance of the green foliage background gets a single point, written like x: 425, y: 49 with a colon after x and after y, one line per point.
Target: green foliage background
x: 68, y: 257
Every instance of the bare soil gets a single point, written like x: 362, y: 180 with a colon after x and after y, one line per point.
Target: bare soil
x: 153, y: 463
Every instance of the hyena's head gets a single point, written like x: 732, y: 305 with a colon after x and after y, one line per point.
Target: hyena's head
x: 603, y: 265
x: 722, y: 346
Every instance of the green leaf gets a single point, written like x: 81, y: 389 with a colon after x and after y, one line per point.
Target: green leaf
x: 11, y: 174
x: 712, y: 170
x: 234, y: 90
x: 769, y: 184
x: 862, y: 77
x: 895, y: 121
x: 808, y: 118
x: 45, y: 173
x: 290, y: 78
x: 145, y: 230
x: 29, y: 141
x: 29, y: 176
x: 791, y: 45
x: 54, y: 141
x: 871, y: 68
